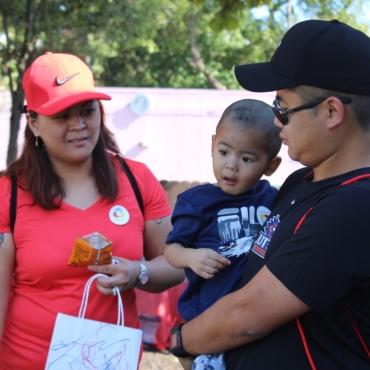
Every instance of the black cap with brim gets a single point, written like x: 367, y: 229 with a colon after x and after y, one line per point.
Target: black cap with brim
x: 325, y: 54
x: 261, y: 77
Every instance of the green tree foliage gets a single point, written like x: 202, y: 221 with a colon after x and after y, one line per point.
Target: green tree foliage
x: 158, y: 53
x: 151, y: 43
x: 31, y: 27
x: 229, y: 13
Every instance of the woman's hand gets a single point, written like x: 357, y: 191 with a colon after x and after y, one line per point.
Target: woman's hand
x: 124, y: 275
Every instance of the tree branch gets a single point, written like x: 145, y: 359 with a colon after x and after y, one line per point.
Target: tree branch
x: 197, y: 61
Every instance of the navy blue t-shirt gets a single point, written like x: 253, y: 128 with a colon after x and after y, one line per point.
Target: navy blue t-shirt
x: 206, y: 217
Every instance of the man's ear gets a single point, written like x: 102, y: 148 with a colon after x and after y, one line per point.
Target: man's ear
x: 335, y: 112
x: 33, y: 124
x: 272, y: 167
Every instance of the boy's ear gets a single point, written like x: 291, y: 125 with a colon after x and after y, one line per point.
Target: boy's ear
x: 213, y: 144
x: 272, y: 167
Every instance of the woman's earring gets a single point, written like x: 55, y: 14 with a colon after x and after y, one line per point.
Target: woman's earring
x: 37, y: 141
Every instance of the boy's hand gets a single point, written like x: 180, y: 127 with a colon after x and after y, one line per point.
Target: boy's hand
x: 206, y: 262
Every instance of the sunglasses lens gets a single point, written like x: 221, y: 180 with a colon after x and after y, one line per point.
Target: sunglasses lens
x: 283, y: 119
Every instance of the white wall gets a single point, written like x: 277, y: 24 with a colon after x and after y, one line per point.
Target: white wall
x: 176, y: 129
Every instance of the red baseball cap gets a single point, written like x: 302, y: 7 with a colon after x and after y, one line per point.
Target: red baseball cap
x: 55, y: 82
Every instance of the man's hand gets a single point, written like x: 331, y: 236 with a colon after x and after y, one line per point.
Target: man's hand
x: 206, y: 262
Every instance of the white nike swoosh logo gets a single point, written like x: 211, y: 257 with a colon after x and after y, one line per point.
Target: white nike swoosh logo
x: 61, y: 82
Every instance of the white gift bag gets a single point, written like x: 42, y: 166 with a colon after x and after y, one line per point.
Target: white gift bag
x: 81, y: 344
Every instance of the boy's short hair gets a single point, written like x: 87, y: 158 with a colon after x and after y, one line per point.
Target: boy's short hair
x: 255, y: 115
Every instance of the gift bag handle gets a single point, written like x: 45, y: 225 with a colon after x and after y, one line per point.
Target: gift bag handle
x: 85, y: 300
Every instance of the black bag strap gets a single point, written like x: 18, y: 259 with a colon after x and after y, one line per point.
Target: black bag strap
x: 133, y: 182
x: 13, y: 201
x: 125, y: 167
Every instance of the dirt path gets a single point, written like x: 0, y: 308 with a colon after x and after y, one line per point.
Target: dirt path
x: 154, y: 360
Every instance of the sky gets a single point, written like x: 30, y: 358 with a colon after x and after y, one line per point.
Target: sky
x: 262, y: 12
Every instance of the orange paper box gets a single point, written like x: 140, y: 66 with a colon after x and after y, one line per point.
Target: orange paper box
x: 92, y: 249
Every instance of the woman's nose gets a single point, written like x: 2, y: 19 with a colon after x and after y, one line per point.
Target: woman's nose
x: 78, y: 123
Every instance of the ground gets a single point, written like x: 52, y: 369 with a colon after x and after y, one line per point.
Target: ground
x: 155, y: 360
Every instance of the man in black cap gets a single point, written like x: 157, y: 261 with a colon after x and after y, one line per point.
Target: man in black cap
x: 305, y: 296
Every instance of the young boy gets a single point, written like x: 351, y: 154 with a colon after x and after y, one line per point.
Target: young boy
x: 214, y: 226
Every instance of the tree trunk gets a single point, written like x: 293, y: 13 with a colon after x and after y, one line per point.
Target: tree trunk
x: 23, y: 53
x: 289, y: 13
x: 197, y: 60
x: 17, y: 103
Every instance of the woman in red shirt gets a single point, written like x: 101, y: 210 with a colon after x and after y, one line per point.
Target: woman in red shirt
x: 70, y: 183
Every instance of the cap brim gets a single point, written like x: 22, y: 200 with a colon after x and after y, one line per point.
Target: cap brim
x: 261, y: 77
x: 64, y: 102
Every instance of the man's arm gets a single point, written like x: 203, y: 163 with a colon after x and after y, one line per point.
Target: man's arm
x: 244, y: 316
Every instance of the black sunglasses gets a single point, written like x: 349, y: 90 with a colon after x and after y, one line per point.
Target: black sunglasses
x: 281, y: 115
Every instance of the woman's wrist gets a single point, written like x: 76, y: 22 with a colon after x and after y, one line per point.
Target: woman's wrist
x: 143, y: 275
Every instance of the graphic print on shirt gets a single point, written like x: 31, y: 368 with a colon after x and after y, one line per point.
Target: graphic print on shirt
x: 262, y: 242
x: 119, y: 215
x: 238, y: 228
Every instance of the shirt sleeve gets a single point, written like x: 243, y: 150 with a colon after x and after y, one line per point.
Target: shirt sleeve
x: 329, y: 253
x: 187, y: 223
x: 4, y: 205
